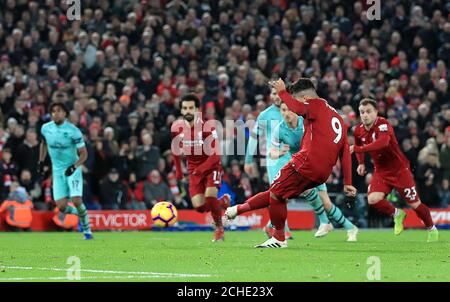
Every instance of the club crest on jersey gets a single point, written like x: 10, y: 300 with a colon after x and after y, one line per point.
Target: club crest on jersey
x: 383, y: 127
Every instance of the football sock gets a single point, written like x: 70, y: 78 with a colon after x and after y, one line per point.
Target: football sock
x: 424, y: 214
x: 384, y: 207
x: 259, y: 201
x: 70, y: 210
x: 203, y: 208
x: 314, y: 200
x: 335, y: 214
x: 278, y: 215
x: 84, y: 218
x: 286, y: 227
x: 216, y: 210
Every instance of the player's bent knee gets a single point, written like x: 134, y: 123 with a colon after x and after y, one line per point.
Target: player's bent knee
x: 373, y: 198
x: 198, y: 200
x: 77, y: 201
x: 61, y: 204
x: 211, y: 192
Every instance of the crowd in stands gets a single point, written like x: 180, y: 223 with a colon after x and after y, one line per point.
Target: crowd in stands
x: 122, y: 68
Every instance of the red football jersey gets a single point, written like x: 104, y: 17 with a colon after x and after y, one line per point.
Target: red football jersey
x: 325, y: 139
x: 198, y: 144
x: 380, y: 142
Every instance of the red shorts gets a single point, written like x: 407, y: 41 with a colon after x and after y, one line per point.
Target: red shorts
x: 403, y: 182
x: 289, y: 183
x: 198, y: 184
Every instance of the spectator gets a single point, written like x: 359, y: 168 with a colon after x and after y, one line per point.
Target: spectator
x: 113, y: 194
x: 156, y: 190
x: 429, y: 176
x: 8, y: 171
x: 444, y: 193
x: 18, y: 207
x: 65, y: 221
x: 147, y: 157
x: 444, y: 158
x: 15, y: 140
x: 31, y: 186
x: 178, y: 192
x: 28, y: 152
x: 85, y: 49
x: 135, y: 193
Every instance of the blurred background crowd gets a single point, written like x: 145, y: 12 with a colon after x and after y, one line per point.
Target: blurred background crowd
x: 123, y: 67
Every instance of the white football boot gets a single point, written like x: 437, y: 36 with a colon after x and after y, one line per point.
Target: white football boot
x: 352, y: 235
x: 323, y: 230
x: 231, y: 212
x: 273, y: 243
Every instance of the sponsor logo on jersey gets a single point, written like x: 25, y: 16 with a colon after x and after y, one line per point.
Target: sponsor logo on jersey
x: 383, y: 127
x: 193, y: 143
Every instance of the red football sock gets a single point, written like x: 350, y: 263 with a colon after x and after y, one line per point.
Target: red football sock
x: 216, y: 210
x: 203, y: 208
x: 259, y: 201
x: 278, y: 215
x: 384, y: 207
x: 424, y: 213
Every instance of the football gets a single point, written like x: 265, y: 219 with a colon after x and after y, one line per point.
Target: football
x: 164, y: 214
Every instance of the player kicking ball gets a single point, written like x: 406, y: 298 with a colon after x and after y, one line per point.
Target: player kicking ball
x: 285, y: 141
x: 375, y: 135
x: 262, y: 132
x: 199, y: 144
x: 65, y: 145
x: 325, y: 139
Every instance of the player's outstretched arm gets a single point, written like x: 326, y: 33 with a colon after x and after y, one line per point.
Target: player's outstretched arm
x: 381, y: 143
x: 293, y: 104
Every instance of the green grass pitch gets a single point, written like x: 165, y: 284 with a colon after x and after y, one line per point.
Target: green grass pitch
x: 191, y: 256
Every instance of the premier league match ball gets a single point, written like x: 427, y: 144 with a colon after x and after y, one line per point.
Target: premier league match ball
x: 164, y: 214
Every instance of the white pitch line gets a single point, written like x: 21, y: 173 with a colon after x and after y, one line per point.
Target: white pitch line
x: 109, y: 271
x: 81, y: 278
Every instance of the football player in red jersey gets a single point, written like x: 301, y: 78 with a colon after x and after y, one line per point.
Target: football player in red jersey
x: 198, y: 142
x: 325, y: 140
x: 375, y: 135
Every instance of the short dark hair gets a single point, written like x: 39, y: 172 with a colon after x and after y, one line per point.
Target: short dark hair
x: 302, y: 84
x: 61, y: 105
x: 368, y: 101
x: 189, y: 98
